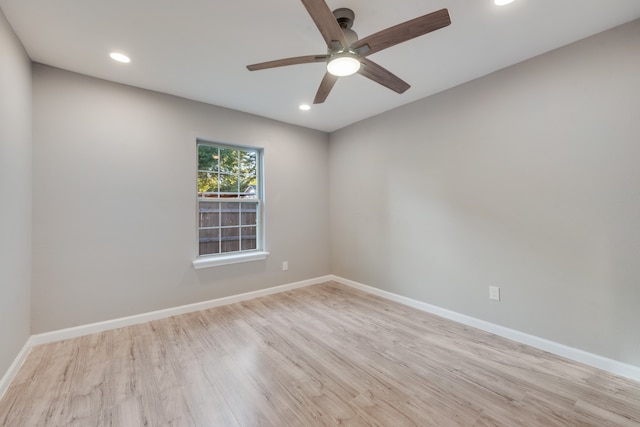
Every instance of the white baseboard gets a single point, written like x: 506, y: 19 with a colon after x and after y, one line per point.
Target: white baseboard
x: 15, y: 367
x: 594, y: 360
x: 93, y: 328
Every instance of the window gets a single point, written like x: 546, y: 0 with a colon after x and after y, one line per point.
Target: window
x: 229, y: 204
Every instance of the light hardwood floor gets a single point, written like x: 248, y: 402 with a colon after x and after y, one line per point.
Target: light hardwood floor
x: 321, y: 355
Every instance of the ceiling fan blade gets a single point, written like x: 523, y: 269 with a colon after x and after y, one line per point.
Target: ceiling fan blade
x: 402, y: 32
x: 328, y: 81
x: 326, y: 22
x: 287, y: 61
x: 373, y: 71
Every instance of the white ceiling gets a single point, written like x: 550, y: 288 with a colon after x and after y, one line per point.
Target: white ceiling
x: 198, y: 49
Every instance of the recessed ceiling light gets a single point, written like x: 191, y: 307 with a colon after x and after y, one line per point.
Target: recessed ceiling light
x: 502, y: 2
x: 304, y: 107
x: 120, y: 57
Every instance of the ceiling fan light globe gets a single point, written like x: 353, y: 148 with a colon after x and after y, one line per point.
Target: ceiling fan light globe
x: 343, y: 66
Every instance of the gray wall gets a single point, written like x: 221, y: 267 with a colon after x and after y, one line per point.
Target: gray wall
x: 15, y: 195
x: 114, y: 201
x: 526, y: 179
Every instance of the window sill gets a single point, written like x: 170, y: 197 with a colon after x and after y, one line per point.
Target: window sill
x: 215, y: 261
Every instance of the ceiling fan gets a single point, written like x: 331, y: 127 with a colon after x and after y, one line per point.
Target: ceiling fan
x: 347, y: 54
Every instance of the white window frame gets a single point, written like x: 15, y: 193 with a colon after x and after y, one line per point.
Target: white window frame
x: 259, y: 253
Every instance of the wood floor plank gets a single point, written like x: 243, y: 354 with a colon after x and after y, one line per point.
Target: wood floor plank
x: 316, y: 356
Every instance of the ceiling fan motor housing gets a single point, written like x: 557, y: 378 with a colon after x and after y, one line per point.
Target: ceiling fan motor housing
x: 344, y: 17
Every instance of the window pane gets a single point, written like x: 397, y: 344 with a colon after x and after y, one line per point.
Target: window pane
x: 248, y: 185
x: 248, y: 213
x: 230, y: 239
x: 229, y: 161
x: 229, y: 184
x: 248, y: 241
x: 209, y: 214
x: 230, y: 214
x: 208, y: 182
x: 248, y: 162
x: 208, y: 158
x: 209, y: 241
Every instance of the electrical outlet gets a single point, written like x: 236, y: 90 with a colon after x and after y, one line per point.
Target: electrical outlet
x: 494, y: 293
x: 285, y: 265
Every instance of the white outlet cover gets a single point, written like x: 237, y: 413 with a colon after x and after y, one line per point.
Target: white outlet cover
x: 494, y: 293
